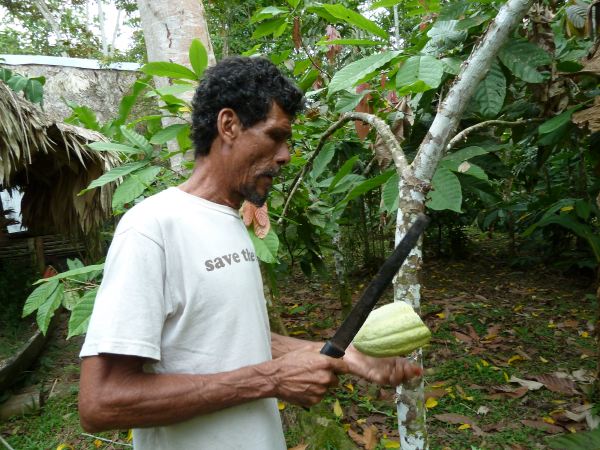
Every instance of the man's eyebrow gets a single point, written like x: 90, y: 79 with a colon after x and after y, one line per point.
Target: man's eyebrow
x: 280, y: 133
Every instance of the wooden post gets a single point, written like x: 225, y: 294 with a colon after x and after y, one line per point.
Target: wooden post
x: 36, y: 249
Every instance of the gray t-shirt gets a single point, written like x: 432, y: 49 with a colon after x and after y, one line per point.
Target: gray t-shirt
x: 182, y: 287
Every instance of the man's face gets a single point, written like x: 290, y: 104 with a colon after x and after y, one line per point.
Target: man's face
x: 260, y: 153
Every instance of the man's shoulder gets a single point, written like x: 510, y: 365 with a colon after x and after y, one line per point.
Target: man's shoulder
x: 147, y: 215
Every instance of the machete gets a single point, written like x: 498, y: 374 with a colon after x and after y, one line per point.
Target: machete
x: 336, y: 346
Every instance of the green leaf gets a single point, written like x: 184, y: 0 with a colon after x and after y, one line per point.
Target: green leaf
x: 346, y: 184
x: 385, y: 4
x: 583, y: 440
x: 522, y: 58
x: 85, y: 115
x: 577, y: 14
x: 465, y: 153
x: 359, y: 42
x: 452, y: 65
x: 175, y: 89
x: 491, y: 92
x: 34, y: 91
x: 271, y: 27
x: 293, y: 3
x: 322, y: 159
x: 39, y: 296
x: 81, y: 313
x: 171, y: 132
x: 348, y: 101
x: 198, y: 57
x: 353, y: 18
x: 46, y: 310
x: 267, y: 13
x: 446, y: 192
x: 347, y: 77
x: 344, y: 170
x: 266, y: 249
x: 115, y: 174
x: 17, y: 83
x: 114, y: 147
x: 72, y: 273
x: 558, y: 121
x: 444, y: 37
x: 368, y: 185
x: 426, y: 69
x: 134, y: 186
x: 169, y: 70
x: 5, y: 74
x: 129, y: 100
x: 73, y: 264
x: 390, y: 193
x: 137, y: 140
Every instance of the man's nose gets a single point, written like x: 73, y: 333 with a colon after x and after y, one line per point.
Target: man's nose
x: 282, y: 157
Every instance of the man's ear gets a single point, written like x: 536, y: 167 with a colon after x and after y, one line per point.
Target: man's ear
x: 228, y: 125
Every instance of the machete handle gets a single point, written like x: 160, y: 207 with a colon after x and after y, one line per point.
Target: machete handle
x: 332, y: 350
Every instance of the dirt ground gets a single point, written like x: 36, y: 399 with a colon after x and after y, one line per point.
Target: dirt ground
x: 510, y: 363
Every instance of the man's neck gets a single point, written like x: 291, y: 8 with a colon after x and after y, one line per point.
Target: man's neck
x: 208, y: 181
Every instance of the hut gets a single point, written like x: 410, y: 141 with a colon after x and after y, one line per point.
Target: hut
x: 49, y: 163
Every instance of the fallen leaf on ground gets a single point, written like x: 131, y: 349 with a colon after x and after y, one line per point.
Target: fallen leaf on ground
x: 299, y: 447
x: 556, y: 384
x: 368, y: 439
x: 541, y: 425
x: 460, y: 419
x: 508, y: 392
x: 483, y: 410
x: 529, y: 384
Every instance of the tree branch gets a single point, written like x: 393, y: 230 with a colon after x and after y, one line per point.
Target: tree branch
x: 488, y: 123
x: 473, y: 71
x: 380, y: 127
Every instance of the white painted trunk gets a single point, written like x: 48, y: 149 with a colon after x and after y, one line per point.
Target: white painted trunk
x: 412, y: 187
x: 102, y: 26
x: 169, y: 28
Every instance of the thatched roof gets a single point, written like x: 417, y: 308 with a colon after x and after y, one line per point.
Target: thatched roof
x: 50, y: 163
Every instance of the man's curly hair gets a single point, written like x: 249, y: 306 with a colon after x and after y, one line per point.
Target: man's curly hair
x: 249, y: 86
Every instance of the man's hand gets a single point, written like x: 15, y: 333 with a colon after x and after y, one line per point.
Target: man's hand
x: 304, y: 375
x: 383, y: 371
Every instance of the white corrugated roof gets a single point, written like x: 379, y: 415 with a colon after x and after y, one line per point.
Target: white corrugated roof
x: 65, y: 62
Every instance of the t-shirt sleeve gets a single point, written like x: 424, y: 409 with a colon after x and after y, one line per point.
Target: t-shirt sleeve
x: 130, y: 307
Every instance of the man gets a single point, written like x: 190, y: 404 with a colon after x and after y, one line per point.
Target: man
x: 178, y: 346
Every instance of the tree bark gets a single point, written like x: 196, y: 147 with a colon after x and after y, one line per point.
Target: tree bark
x: 414, y: 183
x: 169, y: 28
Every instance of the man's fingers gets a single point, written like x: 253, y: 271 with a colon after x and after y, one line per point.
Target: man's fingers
x: 339, y: 366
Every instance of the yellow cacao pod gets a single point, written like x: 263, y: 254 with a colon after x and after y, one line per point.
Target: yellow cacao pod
x: 392, y: 330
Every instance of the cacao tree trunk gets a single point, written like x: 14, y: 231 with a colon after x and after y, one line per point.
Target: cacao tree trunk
x: 169, y: 28
x: 413, y: 185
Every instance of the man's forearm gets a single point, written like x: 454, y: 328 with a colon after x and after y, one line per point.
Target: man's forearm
x: 144, y: 400
x: 282, y: 345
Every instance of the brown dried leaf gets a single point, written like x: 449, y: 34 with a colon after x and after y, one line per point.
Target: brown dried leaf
x: 368, y: 440
x: 261, y: 216
x: 248, y: 212
x: 435, y: 393
x: 462, y: 337
x: 299, y: 447
x: 557, y: 384
x: 544, y: 426
x: 296, y: 35
x: 511, y: 393
x: 454, y: 418
x: 460, y: 419
x: 362, y: 129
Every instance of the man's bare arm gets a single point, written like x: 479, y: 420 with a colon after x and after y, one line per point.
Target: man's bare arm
x: 115, y: 393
